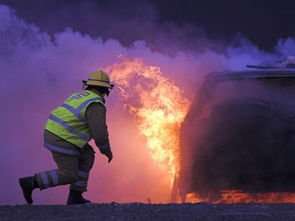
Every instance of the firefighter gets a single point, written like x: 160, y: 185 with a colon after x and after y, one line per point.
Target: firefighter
x: 67, y: 132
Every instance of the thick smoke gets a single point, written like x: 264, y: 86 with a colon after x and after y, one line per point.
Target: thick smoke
x: 112, y: 19
x: 38, y: 71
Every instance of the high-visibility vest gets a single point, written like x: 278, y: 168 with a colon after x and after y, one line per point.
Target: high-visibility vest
x: 68, y: 121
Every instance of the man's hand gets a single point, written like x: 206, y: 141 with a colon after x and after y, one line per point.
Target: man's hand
x: 107, y: 152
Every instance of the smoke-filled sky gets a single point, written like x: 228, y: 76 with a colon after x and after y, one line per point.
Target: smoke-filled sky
x: 47, y: 48
x: 262, y: 22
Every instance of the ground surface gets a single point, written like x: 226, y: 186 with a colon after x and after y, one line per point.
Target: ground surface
x: 150, y: 212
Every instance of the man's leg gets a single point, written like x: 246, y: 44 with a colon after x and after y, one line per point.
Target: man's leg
x: 86, y: 161
x: 66, y: 173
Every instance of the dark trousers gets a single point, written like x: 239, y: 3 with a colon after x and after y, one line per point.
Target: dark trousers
x: 71, y: 169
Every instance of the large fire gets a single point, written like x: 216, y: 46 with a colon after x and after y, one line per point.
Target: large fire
x: 158, y: 106
x: 238, y: 196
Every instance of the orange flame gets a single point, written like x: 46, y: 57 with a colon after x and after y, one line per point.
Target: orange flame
x: 238, y: 196
x: 159, y: 109
x: 158, y: 106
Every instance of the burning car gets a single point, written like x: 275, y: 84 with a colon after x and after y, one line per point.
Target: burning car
x: 239, y: 134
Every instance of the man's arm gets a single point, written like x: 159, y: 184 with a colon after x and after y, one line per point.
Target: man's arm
x: 96, y: 119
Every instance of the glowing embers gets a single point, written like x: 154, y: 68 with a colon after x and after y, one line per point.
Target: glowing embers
x: 158, y: 106
x: 237, y: 196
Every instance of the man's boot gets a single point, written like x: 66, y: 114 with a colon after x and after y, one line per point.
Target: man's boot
x: 75, y: 197
x: 28, y: 184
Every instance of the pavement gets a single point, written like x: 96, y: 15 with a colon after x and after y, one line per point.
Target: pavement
x: 150, y: 212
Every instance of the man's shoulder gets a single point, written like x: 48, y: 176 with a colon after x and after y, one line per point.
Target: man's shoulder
x: 96, y: 106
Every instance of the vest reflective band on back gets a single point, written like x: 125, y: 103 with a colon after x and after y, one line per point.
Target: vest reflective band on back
x: 69, y: 128
x: 68, y: 121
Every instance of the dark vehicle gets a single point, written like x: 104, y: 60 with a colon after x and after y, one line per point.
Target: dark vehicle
x: 240, y: 133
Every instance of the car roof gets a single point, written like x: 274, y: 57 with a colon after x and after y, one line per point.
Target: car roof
x: 258, y: 73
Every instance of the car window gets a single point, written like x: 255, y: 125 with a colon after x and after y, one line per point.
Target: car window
x: 278, y: 92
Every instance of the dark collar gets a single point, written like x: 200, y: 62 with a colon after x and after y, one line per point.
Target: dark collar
x: 99, y: 94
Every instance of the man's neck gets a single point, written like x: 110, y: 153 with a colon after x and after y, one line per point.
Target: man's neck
x: 98, y: 93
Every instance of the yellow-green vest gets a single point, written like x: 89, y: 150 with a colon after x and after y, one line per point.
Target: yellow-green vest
x: 68, y: 121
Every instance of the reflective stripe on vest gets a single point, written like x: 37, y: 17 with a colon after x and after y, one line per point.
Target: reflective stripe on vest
x: 68, y: 121
x: 76, y: 111
x: 68, y: 127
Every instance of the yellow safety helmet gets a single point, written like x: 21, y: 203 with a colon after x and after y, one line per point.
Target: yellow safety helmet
x: 99, y: 78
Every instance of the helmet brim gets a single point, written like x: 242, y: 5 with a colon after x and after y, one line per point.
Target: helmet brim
x: 98, y: 83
